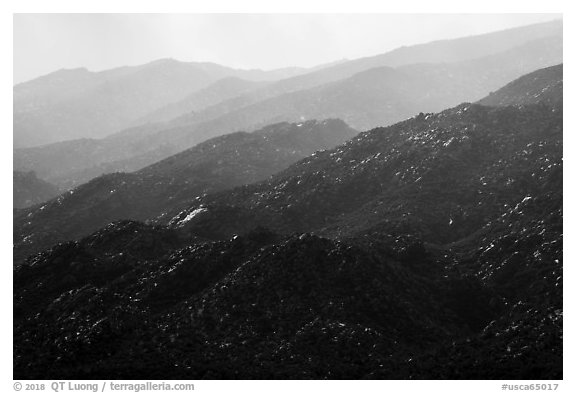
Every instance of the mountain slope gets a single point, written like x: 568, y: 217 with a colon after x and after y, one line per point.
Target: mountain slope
x: 171, y: 184
x: 543, y: 86
x: 380, y: 96
x: 495, y: 157
x: 28, y: 190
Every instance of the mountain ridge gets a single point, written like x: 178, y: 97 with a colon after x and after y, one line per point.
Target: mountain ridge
x: 219, y: 163
x: 472, y: 80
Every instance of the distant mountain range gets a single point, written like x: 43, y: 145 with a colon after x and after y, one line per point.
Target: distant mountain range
x: 439, y: 52
x: 365, y: 93
x: 427, y: 249
x: 71, y: 104
x: 219, y: 91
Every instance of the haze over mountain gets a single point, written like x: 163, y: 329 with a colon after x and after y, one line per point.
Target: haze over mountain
x: 378, y: 96
x: 221, y: 90
x: 440, y: 52
x: 384, y: 95
x: 431, y: 248
x: 70, y: 104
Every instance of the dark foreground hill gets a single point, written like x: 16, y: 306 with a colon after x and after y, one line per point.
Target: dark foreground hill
x: 170, y: 185
x: 427, y: 249
x: 128, y: 302
x: 28, y: 190
x: 257, y: 306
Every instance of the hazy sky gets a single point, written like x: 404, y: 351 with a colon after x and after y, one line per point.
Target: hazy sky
x: 47, y: 42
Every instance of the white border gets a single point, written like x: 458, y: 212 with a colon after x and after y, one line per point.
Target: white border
x: 293, y: 6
